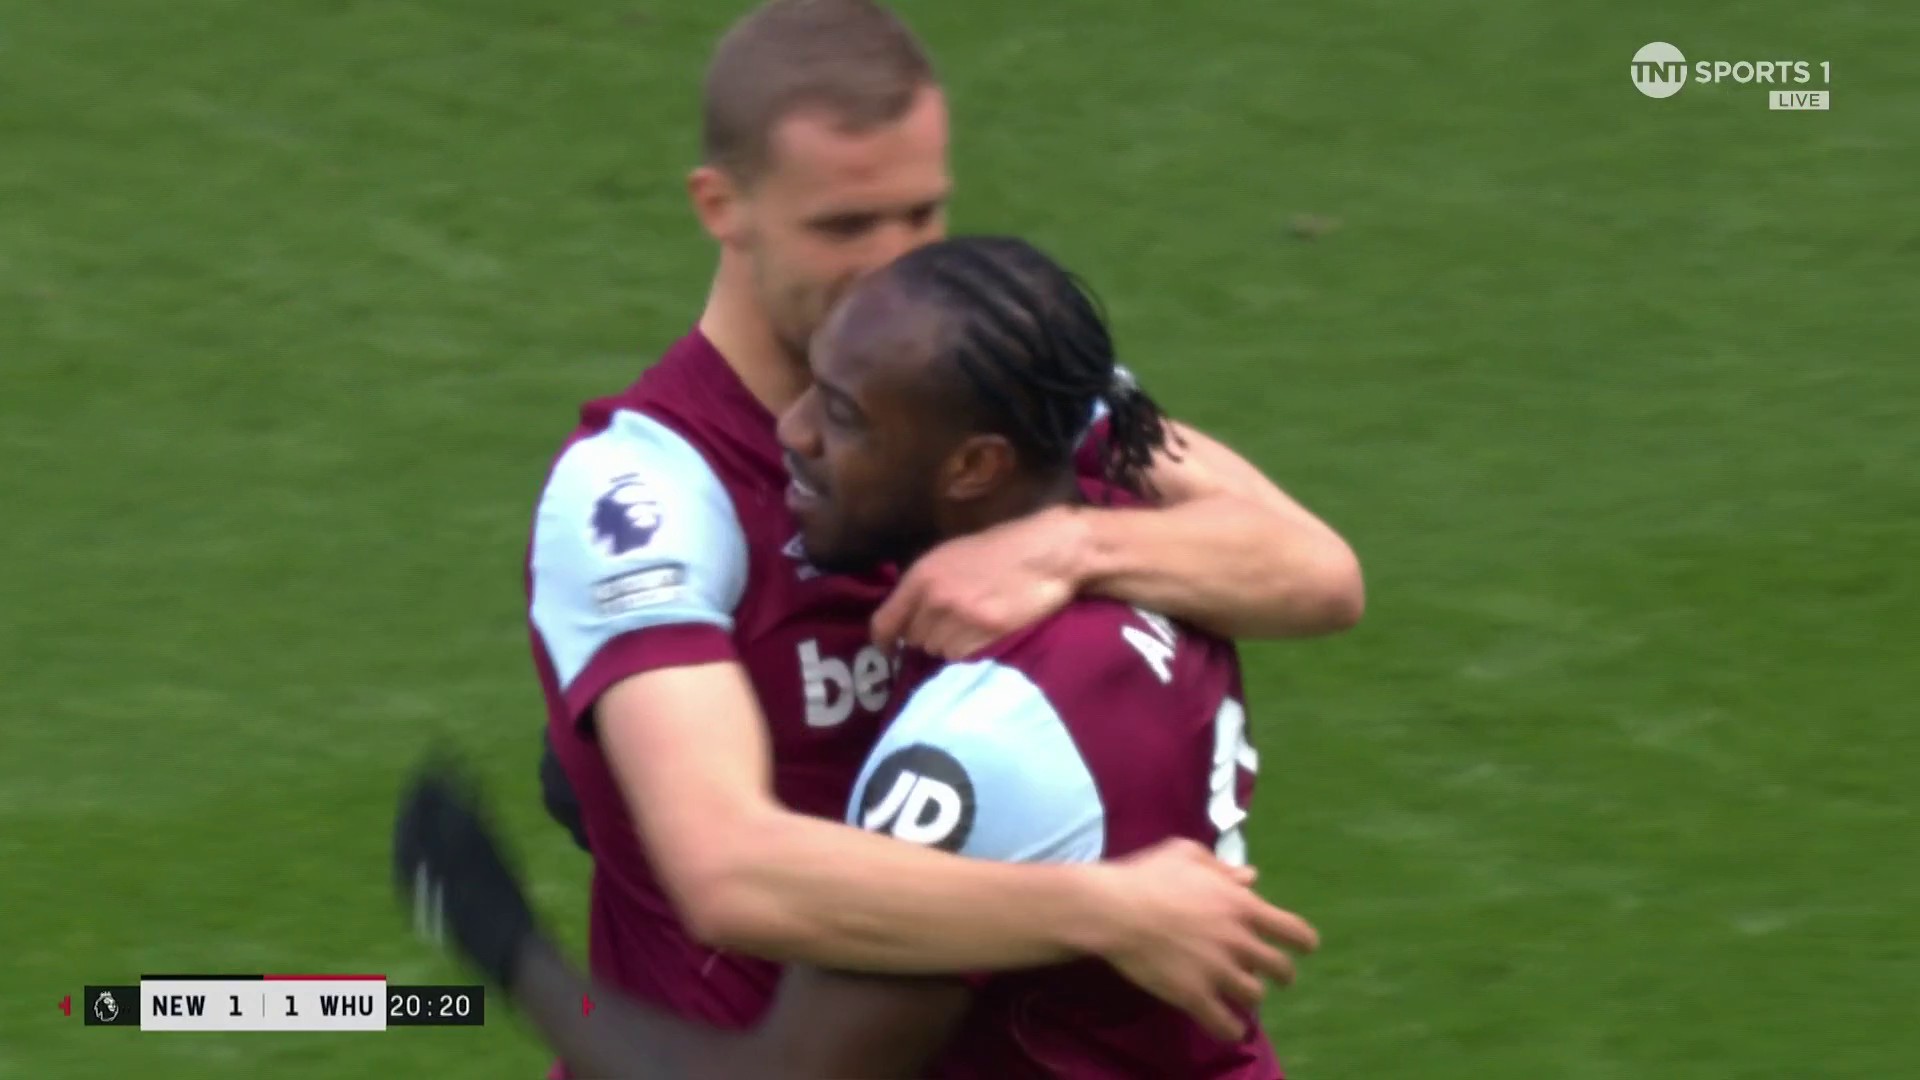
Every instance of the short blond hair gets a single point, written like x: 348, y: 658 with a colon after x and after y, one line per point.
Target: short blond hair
x: 853, y: 59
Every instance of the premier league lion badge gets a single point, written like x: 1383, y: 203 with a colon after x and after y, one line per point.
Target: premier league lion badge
x: 625, y: 516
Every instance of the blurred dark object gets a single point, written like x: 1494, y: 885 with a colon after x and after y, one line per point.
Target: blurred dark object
x: 563, y: 806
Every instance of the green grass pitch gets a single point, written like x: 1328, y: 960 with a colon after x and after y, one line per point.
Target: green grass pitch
x: 1616, y: 781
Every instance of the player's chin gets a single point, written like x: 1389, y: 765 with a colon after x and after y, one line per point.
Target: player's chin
x: 815, y: 542
x: 825, y: 553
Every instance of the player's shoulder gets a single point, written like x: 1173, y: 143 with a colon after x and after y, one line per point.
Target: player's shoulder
x: 632, y: 462
x: 1097, y: 650
x: 633, y: 515
x: 979, y: 762
x: 693, y: 391
x: 1079, y: 668
x: 1070, y: 629
x: 664, y: 419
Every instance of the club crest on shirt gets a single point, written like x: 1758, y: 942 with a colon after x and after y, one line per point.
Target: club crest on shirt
x: 796, y: 550
x: 625, y: 516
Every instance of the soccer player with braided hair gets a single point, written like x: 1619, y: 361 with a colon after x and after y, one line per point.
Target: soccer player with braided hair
x: 710, y: 696
x: 947, y: 396
x: 1029, y: 309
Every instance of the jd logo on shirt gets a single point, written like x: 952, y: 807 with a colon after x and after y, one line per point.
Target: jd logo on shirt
x: 920, y: 795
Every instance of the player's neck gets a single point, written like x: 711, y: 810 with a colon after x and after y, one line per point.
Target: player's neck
x: 738, y: 329
x: 1011, y: 503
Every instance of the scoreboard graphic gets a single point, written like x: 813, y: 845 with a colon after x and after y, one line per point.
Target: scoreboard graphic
x: 277, y: 1003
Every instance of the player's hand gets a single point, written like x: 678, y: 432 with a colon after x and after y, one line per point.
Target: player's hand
x: 973, y: 590
x: 1192, y: 932
x: 450, y: 872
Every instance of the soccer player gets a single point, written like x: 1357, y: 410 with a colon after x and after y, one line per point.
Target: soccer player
x: 711, y: 694
x: 961, y: 373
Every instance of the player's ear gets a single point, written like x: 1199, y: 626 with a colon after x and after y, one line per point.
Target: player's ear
x: 717, y: 202
x: 977, y: 467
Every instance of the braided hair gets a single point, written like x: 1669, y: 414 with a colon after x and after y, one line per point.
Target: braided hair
x: 1027, y: 342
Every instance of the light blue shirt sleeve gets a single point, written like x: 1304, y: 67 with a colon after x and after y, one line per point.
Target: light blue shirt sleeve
x: 633, y: 531
x: 979, y: 763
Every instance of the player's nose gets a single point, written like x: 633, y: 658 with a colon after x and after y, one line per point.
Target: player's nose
x: 797, y: 432
x: 897, y: 237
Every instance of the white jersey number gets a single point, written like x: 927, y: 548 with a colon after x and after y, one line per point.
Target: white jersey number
x: 1231, y: 753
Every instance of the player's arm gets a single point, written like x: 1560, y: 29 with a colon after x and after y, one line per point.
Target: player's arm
x: 633, y: 592
x: 822, y: 1024
x: 1222, y: 547
x: 1026, y: 794
x: 1011, y: 785
x: 1225, y: 548
x: 453, y: 874
x: 690, y: 751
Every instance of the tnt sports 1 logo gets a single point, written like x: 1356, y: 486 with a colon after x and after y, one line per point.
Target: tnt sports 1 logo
x: 1661, y: 70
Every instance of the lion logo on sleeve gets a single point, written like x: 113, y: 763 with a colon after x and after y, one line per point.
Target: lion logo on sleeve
x: 625, y: 516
